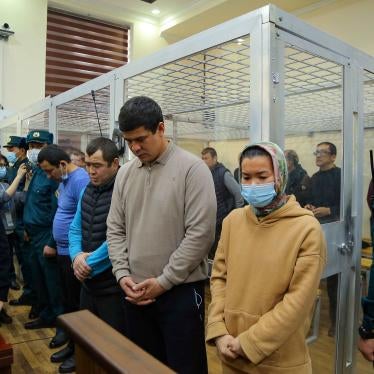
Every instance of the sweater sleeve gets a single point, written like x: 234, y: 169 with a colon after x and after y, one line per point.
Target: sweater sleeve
x: 233, y: 187
x: 199, y: 220
x: 75, y: 231
x: 98, y: 260
x: 277, y: 325
x: 116, y: 230
x: 216, y: 324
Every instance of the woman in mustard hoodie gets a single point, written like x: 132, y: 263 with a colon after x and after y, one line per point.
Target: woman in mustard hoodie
x: 266, y: 273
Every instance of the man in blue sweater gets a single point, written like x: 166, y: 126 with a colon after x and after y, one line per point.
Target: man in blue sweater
x: 55, y: 162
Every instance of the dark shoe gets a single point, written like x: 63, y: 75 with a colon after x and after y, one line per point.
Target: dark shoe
x: 19, y: 302
x: 68, y: 366
x: 38, y: 324
x: 14, y: 285
x: 34, y: 312
x: 4, y: 317
x: 59, y: 339
x: 63, y: 354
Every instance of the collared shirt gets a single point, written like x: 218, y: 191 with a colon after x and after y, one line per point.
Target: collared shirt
x: 162, y: 219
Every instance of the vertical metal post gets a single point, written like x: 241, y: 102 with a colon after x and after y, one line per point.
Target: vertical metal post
x: 267, y: 85
x: 112, y: 105
x: 52, y: 121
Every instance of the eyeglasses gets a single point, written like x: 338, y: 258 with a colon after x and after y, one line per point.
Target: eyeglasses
x: 321, y: 153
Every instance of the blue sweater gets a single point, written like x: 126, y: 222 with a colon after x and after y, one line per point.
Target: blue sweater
x: 68, y: 197
x: 98, y: 260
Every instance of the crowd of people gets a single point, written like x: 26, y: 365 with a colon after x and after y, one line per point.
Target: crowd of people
x: 130, y: 243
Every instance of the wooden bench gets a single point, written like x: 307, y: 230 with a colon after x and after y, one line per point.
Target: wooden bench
x: 6, y: 357
x: 100, y: 349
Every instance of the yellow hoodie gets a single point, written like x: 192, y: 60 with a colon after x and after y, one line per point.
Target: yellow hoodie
x: 264, y: 282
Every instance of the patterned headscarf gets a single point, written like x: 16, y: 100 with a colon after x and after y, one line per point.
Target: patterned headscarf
x: 280, y: 175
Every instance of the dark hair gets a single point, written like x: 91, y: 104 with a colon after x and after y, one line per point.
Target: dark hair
x: 332, y: 147
x: 53, y: 154
x: 106, y: 146
x: 140, y: 111
x: 291, y: 155
x: 254, y: 151
x: 209, y: 150
x: 4, y: 159
x: 77, y: 152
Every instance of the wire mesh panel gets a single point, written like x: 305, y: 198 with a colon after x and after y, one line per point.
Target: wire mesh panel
x: 368, y: 99
x: 5, y: 133
x: 78, y: 122
x: 38, y: 121
x: 313, y: 89
x: 206, y: 94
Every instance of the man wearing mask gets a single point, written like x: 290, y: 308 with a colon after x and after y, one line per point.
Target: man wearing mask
x: 57, y: 165
x: 40, y: 209
x: 16, y: 156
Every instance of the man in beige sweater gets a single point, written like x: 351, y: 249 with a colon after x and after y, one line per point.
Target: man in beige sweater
x: 160, y: 227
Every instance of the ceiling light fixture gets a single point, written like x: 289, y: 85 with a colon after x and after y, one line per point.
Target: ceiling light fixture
x: 156, y: 12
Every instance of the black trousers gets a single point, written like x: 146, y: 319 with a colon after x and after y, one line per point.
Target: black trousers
x: 11, y: 240
x: 71, y: 287
x: 332, y: 291
x: 172, y: 328
x: 4, y: 264
x: 107, y: 307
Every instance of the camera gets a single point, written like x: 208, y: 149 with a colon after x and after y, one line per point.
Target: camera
x: 28, y: 166
x: 5, y: 31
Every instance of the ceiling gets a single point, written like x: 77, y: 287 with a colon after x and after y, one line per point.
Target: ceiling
x: 200, y: 14
x: 142, y: 11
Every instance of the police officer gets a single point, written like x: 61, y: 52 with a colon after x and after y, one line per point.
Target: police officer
x: 39, y: 211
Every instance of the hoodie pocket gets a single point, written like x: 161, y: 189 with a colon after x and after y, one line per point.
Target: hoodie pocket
x: 239, y: 321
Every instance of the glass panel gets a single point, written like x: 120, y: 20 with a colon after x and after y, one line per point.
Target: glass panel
x: 366, y: 256
x: 38, y: 121
x: 205, y: 97
x: 77, y: 121
x: 6, y: 132
x: 314, y: 144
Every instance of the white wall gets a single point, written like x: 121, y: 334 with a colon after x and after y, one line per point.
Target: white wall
x: 23, y: 76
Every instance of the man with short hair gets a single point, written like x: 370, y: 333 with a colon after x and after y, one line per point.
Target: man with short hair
x: 55, y: 162
x: 160, y: 228
x: 100, y: 292
x: 39, y: 211
x: 77, y: 157
x: 325, y: 205
x: 227, y: 190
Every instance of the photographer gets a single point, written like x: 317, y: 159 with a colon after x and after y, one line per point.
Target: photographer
x: 5, y: 223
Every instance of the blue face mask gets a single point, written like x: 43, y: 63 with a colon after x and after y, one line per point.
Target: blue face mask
x: 2, y: 172
x: 11, y: 157
x: 258, y: 195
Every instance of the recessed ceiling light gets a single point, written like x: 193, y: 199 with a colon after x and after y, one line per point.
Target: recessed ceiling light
x: 240, y: 40
x: 156, y: 11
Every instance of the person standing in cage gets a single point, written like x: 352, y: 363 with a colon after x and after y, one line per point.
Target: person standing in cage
x: 227, y: 192
x: 160, y: 228
x: 324, y: 203
x: 266, y: 273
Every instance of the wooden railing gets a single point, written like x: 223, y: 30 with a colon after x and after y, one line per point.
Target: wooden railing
x: 101, y: 349
x: 6, y: 356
